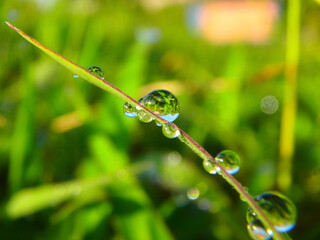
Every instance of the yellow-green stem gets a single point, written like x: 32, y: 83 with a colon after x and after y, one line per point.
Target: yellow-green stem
x: 286, y: 148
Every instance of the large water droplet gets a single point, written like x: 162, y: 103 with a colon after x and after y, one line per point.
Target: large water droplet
x: 229, y: 160
x: 258, y: 232
x: 278, y: 208
x: 169, y: 130
x: 129, y: 110
x: 210, y: 166
x: 163, y: 103
x: 75, y: 76
x: 96, y: 71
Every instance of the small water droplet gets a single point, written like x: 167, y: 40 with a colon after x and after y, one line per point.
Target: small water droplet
x: 278, y: 208
x: 144, y: 116
x: 258, y: 232
x: 75, y: 76
x: 229, y: 160
x: 193, y: 193
x: 129, y: 110
x: 170, y: 130
x: 210, y: 166
x: 269, y: 104
x: 163, y: 103
x: 96, y: 71
x: 138, y: 107
x: 158, y: 123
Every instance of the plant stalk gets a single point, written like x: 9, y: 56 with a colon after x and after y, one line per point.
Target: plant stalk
x: 286, y: 145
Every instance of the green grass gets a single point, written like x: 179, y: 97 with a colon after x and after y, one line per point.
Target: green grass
x: 151, y: 201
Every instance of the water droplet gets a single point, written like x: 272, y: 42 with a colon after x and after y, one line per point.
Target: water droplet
x: 258, y: 232
x: 144, y: 116
x: 170, y: 130
x: 269, y: 104
x: 129, y: 110
x: 278, y: 208
x: 193, y: 193
x: 158, y: 123
x: 96, y: 71
x: 163, y: 103
x: 229, y: 160
x: 75, y: 76
x: 210, y: 166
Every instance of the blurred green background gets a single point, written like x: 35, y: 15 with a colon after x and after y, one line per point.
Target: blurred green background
x: 72, y: 166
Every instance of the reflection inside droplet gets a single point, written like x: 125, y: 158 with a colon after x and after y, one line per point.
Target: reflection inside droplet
x: 258, y: 232
x: 278, y: 208
x: 229, y: 160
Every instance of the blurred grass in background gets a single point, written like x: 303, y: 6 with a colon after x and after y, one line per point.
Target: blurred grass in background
x: 72, y: 166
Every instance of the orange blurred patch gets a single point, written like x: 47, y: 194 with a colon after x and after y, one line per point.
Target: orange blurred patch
x: 238, y: 21
x: 66, y: 122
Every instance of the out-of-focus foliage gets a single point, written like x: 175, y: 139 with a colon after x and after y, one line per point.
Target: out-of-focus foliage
x: 72, y: 166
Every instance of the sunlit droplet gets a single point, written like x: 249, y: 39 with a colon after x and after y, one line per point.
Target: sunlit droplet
x: 258, y: 232
x: 170, y: 130
x: 193, y: 193
x: 229, y: 160
x: 129, y: 110
x: 210, y: 166
x: 269, y: 104
x: 144, y: 116
x: 279, y: 209
x: 96, y: 71
x: 163, y: 103
x: 158, y: 123
x: 75, y: 76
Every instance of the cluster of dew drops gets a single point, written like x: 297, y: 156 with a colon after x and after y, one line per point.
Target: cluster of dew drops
x: 279, y: 209
x: 95, y: 70
x: 161, y: 102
